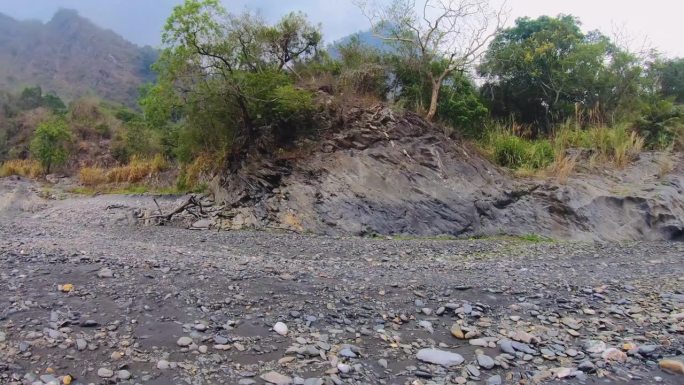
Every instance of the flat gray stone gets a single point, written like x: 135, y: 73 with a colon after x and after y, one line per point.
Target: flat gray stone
x: 439, y: 357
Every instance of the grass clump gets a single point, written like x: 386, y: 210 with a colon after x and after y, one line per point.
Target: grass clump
x: 137, y: 169
x: 29, y: 168
x: 510, y: 150
x: 92, y: 176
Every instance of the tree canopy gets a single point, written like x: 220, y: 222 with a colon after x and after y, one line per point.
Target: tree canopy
x: 545, y: 70
x: 222, y: 77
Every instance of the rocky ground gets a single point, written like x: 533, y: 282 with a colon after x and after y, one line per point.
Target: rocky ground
x: 91, y: 296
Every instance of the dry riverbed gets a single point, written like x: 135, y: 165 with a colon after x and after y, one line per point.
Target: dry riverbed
x: 90, y: 296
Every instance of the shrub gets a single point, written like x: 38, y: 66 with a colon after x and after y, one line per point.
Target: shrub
x: 49, y: 144
x: 510, y: 150
x: 92, y: 176
x: 24, y: 167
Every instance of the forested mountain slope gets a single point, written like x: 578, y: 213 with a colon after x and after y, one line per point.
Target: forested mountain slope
x: 71, y: 56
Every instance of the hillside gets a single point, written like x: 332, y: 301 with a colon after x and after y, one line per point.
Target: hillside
x: 73, y: 57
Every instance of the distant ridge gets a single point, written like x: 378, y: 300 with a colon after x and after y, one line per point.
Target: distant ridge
x: 71, y: 56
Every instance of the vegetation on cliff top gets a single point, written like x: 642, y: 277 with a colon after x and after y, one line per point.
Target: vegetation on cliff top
x: 230, y: 87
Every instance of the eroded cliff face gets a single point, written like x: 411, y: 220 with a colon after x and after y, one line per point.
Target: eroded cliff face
x: 390, y: 175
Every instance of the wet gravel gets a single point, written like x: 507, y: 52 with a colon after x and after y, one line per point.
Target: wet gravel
x: 90, y: 296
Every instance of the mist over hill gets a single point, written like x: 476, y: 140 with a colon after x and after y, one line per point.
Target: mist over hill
x: 73, y: 57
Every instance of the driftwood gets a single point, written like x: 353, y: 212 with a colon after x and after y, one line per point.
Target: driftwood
x: 192, y: 201
x: 192, y: 207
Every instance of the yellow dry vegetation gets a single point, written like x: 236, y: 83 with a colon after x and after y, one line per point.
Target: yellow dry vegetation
x: 23, y: 167
x: 135, y: 171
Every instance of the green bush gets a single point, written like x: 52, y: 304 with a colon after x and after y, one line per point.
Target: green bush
x: 509, y: 150
x: 49, y: 144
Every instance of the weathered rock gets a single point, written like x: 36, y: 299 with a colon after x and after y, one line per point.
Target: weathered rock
x: 439, y: 357
x: 184, y: 341
x: 673, y: 366
x: 280, y: 328
x: 105, y: 373
x: 485, y: 361
x: 276, y: 378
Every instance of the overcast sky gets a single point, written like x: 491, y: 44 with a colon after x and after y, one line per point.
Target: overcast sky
x: 140, y: 21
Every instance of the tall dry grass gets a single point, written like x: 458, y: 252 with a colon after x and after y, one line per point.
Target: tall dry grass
x: 29, y: 168
x: 135, y: 171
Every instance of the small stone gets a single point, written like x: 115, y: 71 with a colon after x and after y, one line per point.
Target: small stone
x: 457, y: 332
x: 587, y: 366
x: 200, y: 327
x: 672, y: 366
x: 105, y: 373
x: 494, y: 380
x: 123, y: 375
x: 485, y: 361
x: 81, y: 344
x: 280, y: 328
x: 276, y: 378
x: 427, y: 325
x: 479, y: 342
x: 612, y: 354
x: 347, y: 352
x: 162, y: 364
x: 105, y: 272
x: 184, y: 341
x: 439, y: 357
x: 594, y: 346
x: 383, y: 362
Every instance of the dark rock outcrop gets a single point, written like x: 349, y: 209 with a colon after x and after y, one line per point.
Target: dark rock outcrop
x: 389, y: 175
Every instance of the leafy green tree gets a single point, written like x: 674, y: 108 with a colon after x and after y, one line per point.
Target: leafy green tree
x: 672, y: 79
x: 49, y: 144
x: 218, y: 74
x: 545, y: 70
x: 459, y: 104
x: 54, y: 102
x: 437, y: 38
x: 31, y: 97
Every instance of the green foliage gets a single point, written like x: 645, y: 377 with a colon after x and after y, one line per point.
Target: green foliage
x: 660, y: 122
x: 672, y: 79
x: 222, y: 77
x: 459, y: 105
x: 49, y: 144
x: 542, y: 71
x: 512, y: 151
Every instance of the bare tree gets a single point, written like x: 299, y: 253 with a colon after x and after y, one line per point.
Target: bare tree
x: 439, y: 36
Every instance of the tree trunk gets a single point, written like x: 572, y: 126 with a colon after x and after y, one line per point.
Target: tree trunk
x: 434, y: 98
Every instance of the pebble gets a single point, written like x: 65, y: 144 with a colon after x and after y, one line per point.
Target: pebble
x: 494, y: 380
x: 184, y: 341
x: 673, y: 366
x: 105, y: 373
x: 347, y: 352
x: 123, y: 375
x: 280, y: 328
x: 439, y: 357
x: 276, y: 378
x: 105, y: 272
x: 485, y: 361
x: 163, y: 364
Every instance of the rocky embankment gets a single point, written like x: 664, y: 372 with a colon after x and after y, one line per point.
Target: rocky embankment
x: 90, y: 296
x: 398, y: 175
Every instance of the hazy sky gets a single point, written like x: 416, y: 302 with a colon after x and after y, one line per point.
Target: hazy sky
x: 658, y: 21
